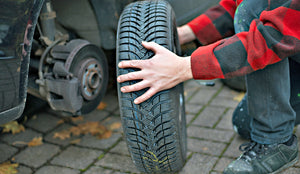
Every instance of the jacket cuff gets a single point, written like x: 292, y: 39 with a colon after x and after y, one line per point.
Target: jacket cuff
x: 204, y: 64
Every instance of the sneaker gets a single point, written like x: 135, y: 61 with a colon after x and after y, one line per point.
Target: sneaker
x: 264, y: 159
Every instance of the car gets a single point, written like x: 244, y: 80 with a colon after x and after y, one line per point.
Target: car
x: 62, y: 52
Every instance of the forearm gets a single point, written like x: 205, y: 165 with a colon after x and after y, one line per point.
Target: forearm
x: 185, y: 34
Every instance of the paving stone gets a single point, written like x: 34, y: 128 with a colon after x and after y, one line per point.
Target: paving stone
x: 222, y: 164
x: 194, y: 83
x: 98, y: 170
x: 192, y: 108
x: 37, y: 156
x: 6, y: 152
x: 226, y: 122
x: 202, y: 97
x: 209, y: 134
x: 124, y: 163
x: 292, y: 170
x: 216, y: 172
x: 189, y: 90
x: 206, y: 147
x: 189, y: 118
x: 43, y: 122
x: 199, y: 163
x: 96, y: 115
x: 226, y: 92
x: 65, y: 142
x: 209, y: 117
x: 233, y: 149
x: 26, y: 136
x: 77, y: 158
x: 121, y: 148
x: 224, y: 102
x: 298, y: 163
x: 56, y: 170
x: 94, y: 142
x: 112, y: 120
x: 24, y: 170
x: 111, y: 101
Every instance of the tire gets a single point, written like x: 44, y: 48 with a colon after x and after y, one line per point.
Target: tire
x: 155, y: 130
x: 236, y: 83
x: 91, y: 55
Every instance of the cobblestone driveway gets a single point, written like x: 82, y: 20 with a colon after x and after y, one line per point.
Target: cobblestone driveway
x: 212, y: 144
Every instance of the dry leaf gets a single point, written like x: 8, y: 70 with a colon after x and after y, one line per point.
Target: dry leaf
x: 101, y: 106
x: 205, y: 148
x: 239, y: 97
x: 37, y: 141
x: 105, y: 135
x: 76, y: 141
x: 62, y: 134
x: 93, y: 128
x: 75, y: 130
x: 8, y: 168
x: 76, y: 119
x: 14, y: 127
x: 115, y: 126
x: 60, y: 121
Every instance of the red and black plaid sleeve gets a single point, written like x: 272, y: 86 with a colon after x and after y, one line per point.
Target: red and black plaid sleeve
x: 215, y: 24
x: 272, y: 36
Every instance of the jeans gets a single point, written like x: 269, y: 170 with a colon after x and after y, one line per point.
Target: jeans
x: 268, y: 113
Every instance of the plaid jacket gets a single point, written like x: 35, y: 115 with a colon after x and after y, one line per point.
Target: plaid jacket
x: 274, y: 34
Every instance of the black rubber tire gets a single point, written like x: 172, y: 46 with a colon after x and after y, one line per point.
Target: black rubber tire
x: 155, y: 130
x: 91, y: 51
x: 236, y: 83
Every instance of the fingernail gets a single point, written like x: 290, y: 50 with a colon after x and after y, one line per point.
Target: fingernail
x: 135, y: 101
x: 118, y: 79
x: 119, y: 65
x: 123, y: 89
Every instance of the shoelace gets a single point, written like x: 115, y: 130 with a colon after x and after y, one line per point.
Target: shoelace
x: 251, y: 150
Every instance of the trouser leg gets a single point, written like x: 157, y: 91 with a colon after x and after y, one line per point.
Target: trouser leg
x: 241, y: 118
x: 272, y: 116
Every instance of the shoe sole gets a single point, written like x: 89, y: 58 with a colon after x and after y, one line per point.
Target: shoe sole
x: 287, y: 165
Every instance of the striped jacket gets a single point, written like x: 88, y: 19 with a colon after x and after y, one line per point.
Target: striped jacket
x: 272, y: 34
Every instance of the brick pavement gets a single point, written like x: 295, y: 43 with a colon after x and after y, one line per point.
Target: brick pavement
x: 212, y: 144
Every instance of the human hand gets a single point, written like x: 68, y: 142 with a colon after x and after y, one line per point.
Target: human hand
x: 185, y: 34
x: 163, y: 71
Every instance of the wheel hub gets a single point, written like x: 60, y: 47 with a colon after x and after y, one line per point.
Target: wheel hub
x: 90, y: 78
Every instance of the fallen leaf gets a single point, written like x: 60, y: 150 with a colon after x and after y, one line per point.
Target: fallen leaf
x: 101, y: 106
x: 105, y: 135
x: 93, y: 128
x: 205, y: 148
x: 75, y: 130
x: 62, y: 134
x: 76, y: 141
x: 76, y: 119
x: 14, y: 127
x: 8, y: 168
x: 60, y: 121
x: 37, y: 141
x: 239, y: 97
x: 115, y: 126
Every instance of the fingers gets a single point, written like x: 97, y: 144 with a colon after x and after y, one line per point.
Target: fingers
x: 130, y: 76
x: 131, y: 64
x: 135, y: 87
x: 152, y: 46
x: 148, y: 94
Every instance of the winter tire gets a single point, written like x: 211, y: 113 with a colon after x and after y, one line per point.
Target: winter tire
x: 155, y: 130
